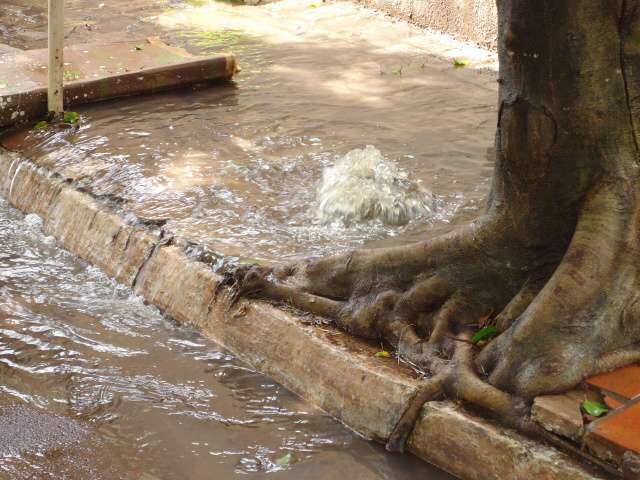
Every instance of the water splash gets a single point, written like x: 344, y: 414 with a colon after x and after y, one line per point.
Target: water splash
x: 363, y: 185
x: 11, y: 174
x: 34, y: 221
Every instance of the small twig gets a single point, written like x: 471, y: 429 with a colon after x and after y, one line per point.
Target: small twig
x: 457, y: 339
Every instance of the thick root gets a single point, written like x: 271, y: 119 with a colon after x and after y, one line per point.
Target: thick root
x: 585, y: 312
x: 458, y: 380
x: 561, y: 314
x: 433, y: 389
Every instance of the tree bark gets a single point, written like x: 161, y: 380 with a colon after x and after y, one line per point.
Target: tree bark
x: 566, y: 119
x: 566, y: 181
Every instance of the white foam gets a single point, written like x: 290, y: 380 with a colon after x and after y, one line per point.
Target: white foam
x: 363, y: 186
x: 33, y: 221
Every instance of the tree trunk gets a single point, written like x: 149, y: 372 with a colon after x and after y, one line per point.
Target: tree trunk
x: 566, y: 120
x: 553, y: 263
x: 566, y: 181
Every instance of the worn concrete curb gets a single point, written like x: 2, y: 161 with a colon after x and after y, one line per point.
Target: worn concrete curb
x: 332, y: 370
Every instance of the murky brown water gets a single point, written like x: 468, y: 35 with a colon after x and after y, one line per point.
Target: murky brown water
x: 96, y: 385
x: 236, y: 167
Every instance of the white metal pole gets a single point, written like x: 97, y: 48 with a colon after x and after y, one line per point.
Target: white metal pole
x: 56, y: 60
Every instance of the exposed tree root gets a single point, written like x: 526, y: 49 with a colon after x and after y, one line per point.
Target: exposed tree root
x: 432, y: 390
x: 459, y: 381
x: 560, y: 316
x: 396, y: 317
x: 554, y: 262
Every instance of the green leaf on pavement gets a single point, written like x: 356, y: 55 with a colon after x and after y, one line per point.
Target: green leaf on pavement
x: 383, y: 354
x: 41, y: 125
x: 595, y: 409
x: 458, y: 63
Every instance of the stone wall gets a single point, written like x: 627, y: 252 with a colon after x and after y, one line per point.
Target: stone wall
x: 471, y: 20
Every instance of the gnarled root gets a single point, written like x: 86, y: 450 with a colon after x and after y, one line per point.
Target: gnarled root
x: 587, y: 317
x: 458, y: 380
x: 562, y: 311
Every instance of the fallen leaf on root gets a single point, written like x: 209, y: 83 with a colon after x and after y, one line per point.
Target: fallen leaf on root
x: 484, y: 333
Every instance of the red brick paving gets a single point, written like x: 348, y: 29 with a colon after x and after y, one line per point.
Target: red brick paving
x: 624, y: 382
x: 612, y: 403
x: 621, y: 431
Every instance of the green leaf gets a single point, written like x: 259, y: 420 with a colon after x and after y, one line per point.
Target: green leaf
x: 484, y: 334
x: 458, y: 63
x: 314, y: 5
x: 595, y: 409
x: 383, y: 354
x: 41, y: 125
x: 397, y: 71
x: 284, y: 459
x: 71, y: 117
x: 139, y: 47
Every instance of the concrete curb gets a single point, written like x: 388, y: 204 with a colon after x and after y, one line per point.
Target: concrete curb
x: 332, y: 370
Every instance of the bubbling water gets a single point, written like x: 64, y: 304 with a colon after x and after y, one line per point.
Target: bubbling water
x: 364, y: 186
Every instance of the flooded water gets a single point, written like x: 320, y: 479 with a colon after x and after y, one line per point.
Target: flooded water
x: 237, y: 167
x: 96, y: 385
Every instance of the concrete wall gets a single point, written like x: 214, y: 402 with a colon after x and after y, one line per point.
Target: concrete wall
x: 471, y: 20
